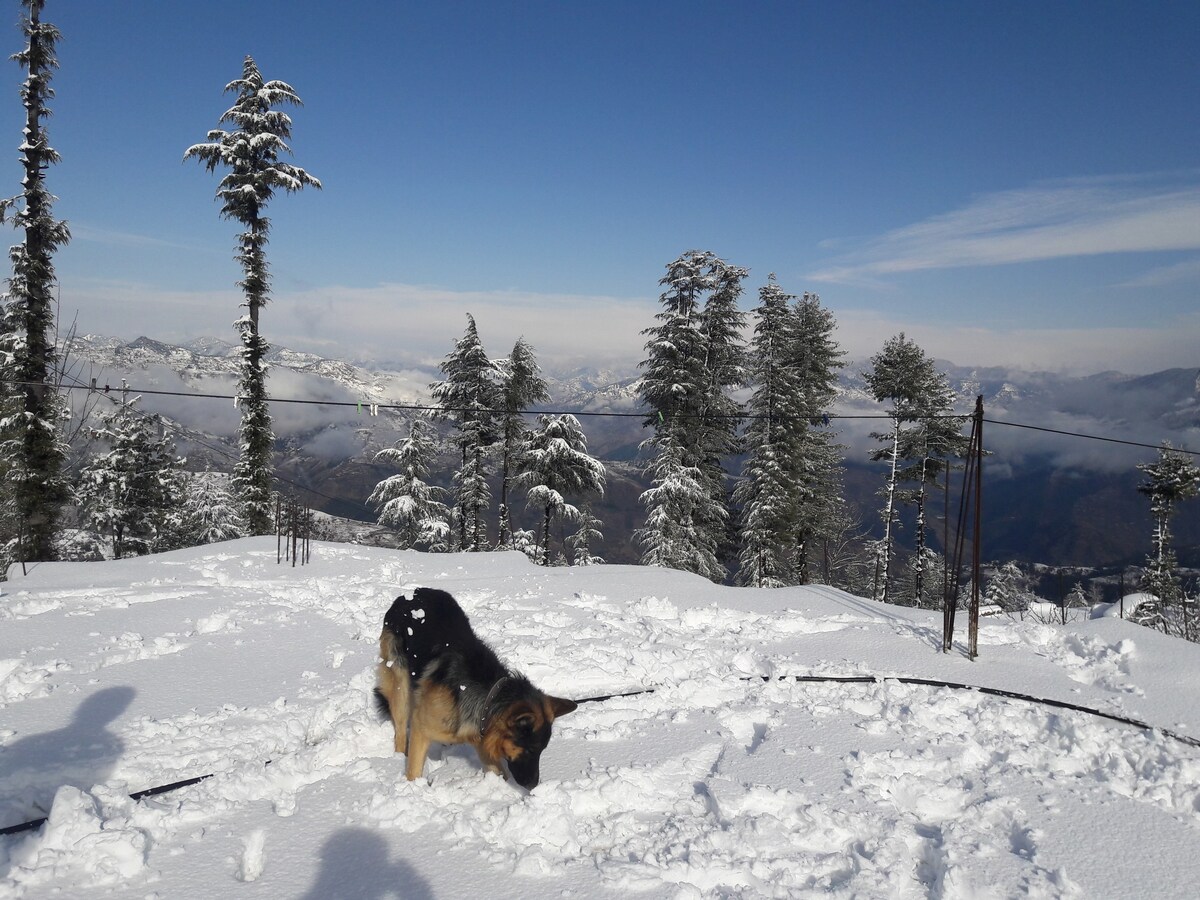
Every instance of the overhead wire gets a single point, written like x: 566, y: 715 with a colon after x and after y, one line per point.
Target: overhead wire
x: 110, y: 391
x: 430, y: 408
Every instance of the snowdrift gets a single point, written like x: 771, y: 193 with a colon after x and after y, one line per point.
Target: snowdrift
x: 119, y: 676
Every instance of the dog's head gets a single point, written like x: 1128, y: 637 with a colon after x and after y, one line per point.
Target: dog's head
x: 519, y: 732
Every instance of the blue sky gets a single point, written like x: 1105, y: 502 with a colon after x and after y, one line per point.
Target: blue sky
x: 1009, y: 183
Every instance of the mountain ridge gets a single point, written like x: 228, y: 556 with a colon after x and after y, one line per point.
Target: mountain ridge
x: 1044, y: 489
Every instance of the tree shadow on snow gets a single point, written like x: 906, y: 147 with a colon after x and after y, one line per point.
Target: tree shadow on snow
x: 355, y: 866
x: 82, y: 753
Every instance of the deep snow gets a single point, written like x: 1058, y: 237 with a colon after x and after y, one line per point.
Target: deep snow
x: 119, y: 676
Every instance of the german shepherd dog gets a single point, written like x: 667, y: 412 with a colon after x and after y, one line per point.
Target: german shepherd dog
x: 439, y: 682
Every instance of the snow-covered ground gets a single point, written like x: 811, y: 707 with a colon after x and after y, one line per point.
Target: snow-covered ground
x: 119, y: 676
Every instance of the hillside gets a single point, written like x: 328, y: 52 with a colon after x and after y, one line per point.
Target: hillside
x: 119, y: 676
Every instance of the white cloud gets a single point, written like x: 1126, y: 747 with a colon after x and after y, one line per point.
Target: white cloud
x: 389, y: 323
x: 1068, y: 350
x: 112, y: 238
x: 1046, y: 221
x: 1179, y: 273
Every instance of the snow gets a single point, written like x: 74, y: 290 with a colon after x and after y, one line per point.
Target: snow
x: 120, y: 676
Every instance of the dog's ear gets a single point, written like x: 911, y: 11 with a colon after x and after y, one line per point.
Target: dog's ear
x: 560, y: 706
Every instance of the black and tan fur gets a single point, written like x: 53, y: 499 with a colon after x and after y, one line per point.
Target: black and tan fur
x: 439, y: 682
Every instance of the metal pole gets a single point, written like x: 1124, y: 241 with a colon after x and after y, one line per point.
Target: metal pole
x: 973, y: 636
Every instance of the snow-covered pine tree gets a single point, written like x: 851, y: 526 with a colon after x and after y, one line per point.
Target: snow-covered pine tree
x: 767, y: 493
x: 694, y: 355
x: 721, y: 324
x: 129, y: 491
x: 1008, y: 588
x: 251, y: 152
x: 1077, y: 598
x: 469, y: 397
x: 928, y: 448
x: 555, y: 465
x: 1169, y: 480
x: 210, y: 512
x: 35, y: 486
x: 521, y: 386
x: 903, y: 375
x: 406, y: 501
x: 586, y: 537
x: 816, y: 359
x: 676, y: 535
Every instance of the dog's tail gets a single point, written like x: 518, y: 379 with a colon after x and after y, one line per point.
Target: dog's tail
x: 389, y: 656
x: 383, y: 709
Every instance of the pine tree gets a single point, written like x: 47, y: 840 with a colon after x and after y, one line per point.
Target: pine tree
x: 928, y: 448
x: 405, y: 501
x: 586, y: 537
x: 815, y: 358
x: 902, y: 374
x: 251, y: 153
x: 1173, y: 478
x: 721, y: 324
x: 790, y: 492
x: 521, y: 386
x: 1008, y: 589
x: 677, y: 534
x: 768, y: 491
x: 694, y: 356
x: 209, y: 513
x: 556, y: 465
x: 469, y: 396
x: 129, y: 491
x: 35, y: 487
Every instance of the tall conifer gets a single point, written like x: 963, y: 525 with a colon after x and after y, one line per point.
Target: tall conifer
x: 469, y: 397
x: 30, y: 443
x: 768, y: 492
x: 1173, y: 478
x: 902, y: 375
x: 251, y: 151
x: 694, y: 357
x: 521, y: 386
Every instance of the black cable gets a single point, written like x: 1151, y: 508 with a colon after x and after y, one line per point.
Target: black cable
x: 1091, y: 437
x: 401, y: 407
x: 179, y: 430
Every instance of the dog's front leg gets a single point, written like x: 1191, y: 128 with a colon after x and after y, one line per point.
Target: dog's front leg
x: 418, y: 749
x: 490, y: 763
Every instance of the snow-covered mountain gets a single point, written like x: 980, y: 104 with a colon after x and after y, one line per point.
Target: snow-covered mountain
x: 1050, y: 497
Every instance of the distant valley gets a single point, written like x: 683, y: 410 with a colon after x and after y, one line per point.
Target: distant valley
x: 1049, y: 498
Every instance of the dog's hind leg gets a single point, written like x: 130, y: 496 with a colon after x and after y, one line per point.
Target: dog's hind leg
x: 395, y: 687
x: 418, y: 748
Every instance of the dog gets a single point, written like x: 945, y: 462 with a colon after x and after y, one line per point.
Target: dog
x: 438, y: 681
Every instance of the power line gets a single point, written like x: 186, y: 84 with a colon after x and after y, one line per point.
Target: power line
x: 1091, y: 437
x: 107, y: 390
x: 180, y: 431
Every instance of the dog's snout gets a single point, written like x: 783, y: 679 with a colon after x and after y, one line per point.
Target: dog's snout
x: 524, y: 770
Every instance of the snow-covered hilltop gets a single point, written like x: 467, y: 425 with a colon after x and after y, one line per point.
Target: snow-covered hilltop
x: 120, y: 676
